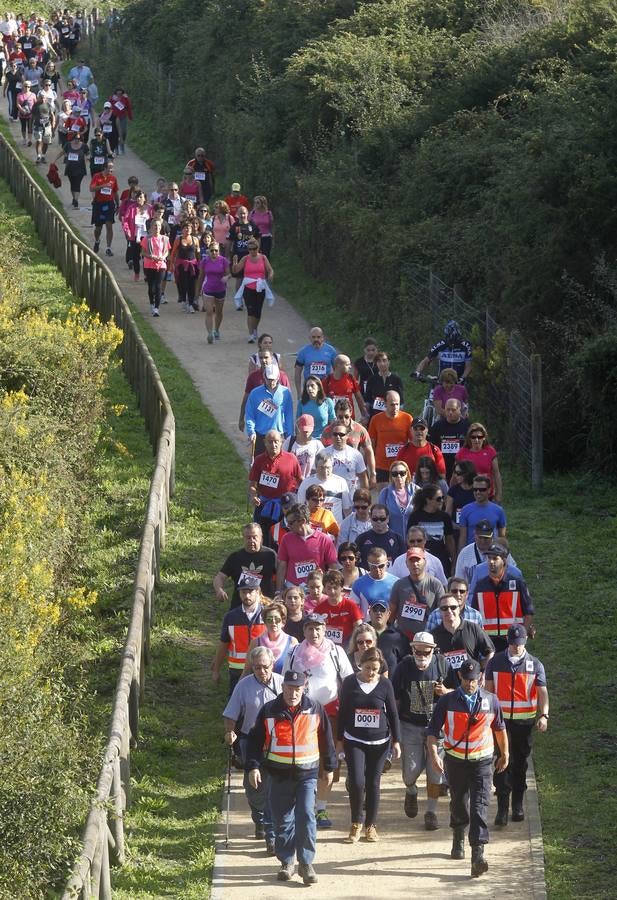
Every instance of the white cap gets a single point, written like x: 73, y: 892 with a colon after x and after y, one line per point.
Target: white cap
x: 272, y: 371
x: 424, y: 637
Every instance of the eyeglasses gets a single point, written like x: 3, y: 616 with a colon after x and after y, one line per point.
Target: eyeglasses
x: 421, y: 652
x: 398, y: 474
x: 480, y: 490
x: 347, y: 559
x: 368, y: 641
x: 451, y: 608
x: 377, y: 565
x: 360, y: 506
x: 270, y: 621
x: 379, y: 518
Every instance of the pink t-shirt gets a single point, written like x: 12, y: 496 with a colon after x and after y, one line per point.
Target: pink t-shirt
x: 158, y: 246
x: 220, y: 230
x: 482, y: 459
x: 303, y: 555
x: 263, y: 220
x: 254, y: 269
x: 458, y: 392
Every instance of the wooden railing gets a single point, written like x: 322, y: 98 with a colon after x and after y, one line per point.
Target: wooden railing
x: 89, y: 277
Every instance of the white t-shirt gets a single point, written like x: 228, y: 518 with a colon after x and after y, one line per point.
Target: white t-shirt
x: 336, y: 491
x: 305, y: 454
x: 348, y: 463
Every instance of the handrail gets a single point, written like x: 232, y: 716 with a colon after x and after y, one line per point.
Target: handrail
x: 89, y: 277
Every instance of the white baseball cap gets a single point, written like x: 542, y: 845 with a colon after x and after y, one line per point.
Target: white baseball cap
x: 424, y: 637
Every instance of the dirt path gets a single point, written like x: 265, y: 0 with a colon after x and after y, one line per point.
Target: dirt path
x: 407, y: 860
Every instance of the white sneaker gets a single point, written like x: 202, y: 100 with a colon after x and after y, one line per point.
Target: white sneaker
x: 155, y: 311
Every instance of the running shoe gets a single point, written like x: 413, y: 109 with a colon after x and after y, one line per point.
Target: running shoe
x: 354, y: 833
x: 217, y: 335
x: 370, y: 834
x: 411, y: 805
x: 210, y: 337
x: 109, y: 252
x: 97, y: 246
x: 251, y: 339
x: 155, y: 312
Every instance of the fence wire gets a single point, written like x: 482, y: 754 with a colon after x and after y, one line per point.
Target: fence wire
x: 505, y: 402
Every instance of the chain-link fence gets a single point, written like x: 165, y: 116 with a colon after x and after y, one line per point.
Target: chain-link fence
x: 505, y: 390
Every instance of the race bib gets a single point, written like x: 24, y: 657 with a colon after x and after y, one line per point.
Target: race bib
x: 106, y: 191
x: 529, y: 665
x: 267, y: 408
x: 328, y: 503
x: 73, y: 157
x: 450, y: 446
x: 379, y: 404
x: 456, y: 658
x: 119, y: 106
x: 304, y: 569
x: 18, y: 85
x: 366, y: 718
x: 44, y: 121
x: 485, y: 705
x: 458, y: 516
x: 318, y: 369
x: 269, y: 479
x: 27, y: 46
x: 392, y: 450
x: 200, y: 176
x: 336, y: 399
x: 108, y: 129
x: 99, y: 160
x: 140, y: 221
x: 414, y: 611
x: 512, y: 585
x: 335, y: 635
x: 75, y: 128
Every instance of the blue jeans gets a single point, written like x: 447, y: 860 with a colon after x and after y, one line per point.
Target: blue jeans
x: 257, y: 799
x: 292, y: 804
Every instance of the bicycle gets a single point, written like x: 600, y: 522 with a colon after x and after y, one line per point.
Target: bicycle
x: 428, y: 410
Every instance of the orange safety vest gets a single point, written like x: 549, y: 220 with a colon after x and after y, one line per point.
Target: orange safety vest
x: 240, y: 638
x: 499, y: 609
x: 293, y: 740
x: 517, y: 693
x: 468, y: 736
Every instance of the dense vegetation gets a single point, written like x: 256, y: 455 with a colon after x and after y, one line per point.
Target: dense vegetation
x: 475, y: 137
x: 54, y: 363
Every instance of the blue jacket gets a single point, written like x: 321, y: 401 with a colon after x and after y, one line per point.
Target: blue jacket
x: 398, y: 519
x: 277, y: 411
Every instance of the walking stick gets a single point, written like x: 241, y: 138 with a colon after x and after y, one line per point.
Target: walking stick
x: 249, y: 505
x: 228, y: 798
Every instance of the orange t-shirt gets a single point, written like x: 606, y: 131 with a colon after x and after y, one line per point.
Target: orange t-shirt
x: 388, y: 436
x: 323, y: 520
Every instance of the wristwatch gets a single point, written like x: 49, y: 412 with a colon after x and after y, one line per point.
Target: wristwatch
x: 543, y: 716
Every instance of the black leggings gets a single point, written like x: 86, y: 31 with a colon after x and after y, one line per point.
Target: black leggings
x: 254, y: 301
x: 26, y: 127
x: 185, y: 282
x: 133, y: 255
x: 365, y: 764
x: 154, y: 279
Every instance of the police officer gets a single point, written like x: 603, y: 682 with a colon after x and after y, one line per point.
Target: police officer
x: 290, y: 736
x: 470, y: 718
x: 518, y: 680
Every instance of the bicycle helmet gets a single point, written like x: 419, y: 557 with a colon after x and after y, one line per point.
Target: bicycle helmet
x: 452, y: 332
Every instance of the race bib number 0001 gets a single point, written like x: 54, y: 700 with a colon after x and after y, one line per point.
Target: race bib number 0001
x: 367, y: 718
x: 414, y: 611
x: 269, y: 479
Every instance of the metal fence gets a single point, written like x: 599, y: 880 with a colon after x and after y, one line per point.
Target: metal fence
x: 88, y: 277
x: 511, y: 397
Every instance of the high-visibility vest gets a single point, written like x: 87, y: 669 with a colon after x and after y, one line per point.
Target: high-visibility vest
x: 517, y: 694
x: 240, y: 636
x: 499, y: 609
x: 468, y: 736
x: 293, y: 740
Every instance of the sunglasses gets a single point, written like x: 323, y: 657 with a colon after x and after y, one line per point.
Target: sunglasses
x: 340, y: 434
x: 421, y: 652
x: 477, y: 437
x: 378, y: 565
x: 361, y: 641
x: 379, y: 518
x: 316, y: 499
x: 398, y: 474
x: 438, y: 498
x: 460, y: 590
x: 480, y: 490
x: 360, y: 506
x: 270, y: 621
x: 451, y: 608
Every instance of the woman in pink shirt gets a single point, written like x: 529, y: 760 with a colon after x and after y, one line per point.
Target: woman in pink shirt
x: 213, y: 275
x: 222, y: 222
x: 261, y: 216
x: 155, y: 250
x: 256, y: 270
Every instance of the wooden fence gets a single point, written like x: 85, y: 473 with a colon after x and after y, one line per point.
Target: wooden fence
x: 89, y: 277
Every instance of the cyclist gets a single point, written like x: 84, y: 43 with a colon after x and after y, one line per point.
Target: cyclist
x: 453, y: 352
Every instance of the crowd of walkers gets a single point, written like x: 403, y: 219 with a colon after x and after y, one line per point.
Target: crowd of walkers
x: 377, y: 613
